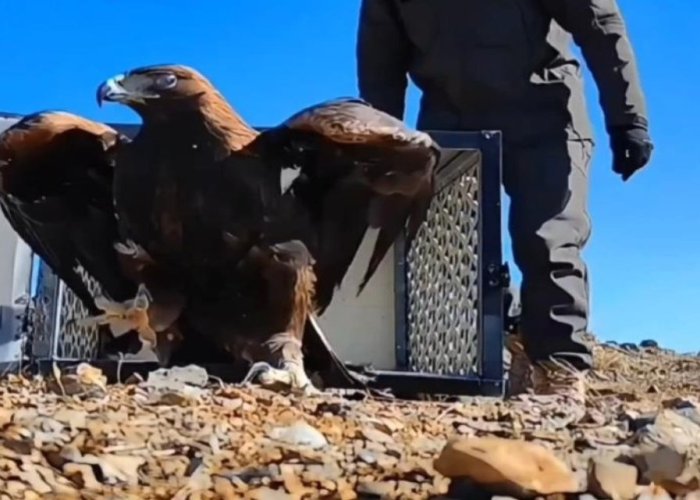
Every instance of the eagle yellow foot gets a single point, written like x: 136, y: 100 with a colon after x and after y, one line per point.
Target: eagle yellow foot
x: 291, y: 376
x: 123, y: 317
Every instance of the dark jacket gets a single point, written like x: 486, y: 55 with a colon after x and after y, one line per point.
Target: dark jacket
x: 503, y: 64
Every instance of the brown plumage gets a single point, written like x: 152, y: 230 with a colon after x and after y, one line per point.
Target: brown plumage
x: 358, y: 168
x: 56, y: 173
x: 55, y: 191
x: 170, y: 174
x: 205, y: 194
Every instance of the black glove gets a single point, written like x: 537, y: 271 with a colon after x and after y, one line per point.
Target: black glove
x: 631, y: 148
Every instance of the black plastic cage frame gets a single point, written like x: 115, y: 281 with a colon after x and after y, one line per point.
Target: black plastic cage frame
x: 474, y: 155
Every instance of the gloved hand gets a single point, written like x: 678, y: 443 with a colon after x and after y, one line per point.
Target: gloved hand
x: 631, y: 148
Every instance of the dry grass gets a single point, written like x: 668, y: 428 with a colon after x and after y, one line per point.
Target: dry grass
x: 645, y: 372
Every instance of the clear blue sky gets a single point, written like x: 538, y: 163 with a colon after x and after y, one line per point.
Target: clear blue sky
x: 272, y: 57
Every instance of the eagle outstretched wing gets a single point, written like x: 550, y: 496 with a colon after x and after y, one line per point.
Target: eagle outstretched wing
x: 56, y: 193
x: 354, y: 167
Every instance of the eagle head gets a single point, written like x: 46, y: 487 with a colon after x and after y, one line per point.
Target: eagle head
x: 166, y: 91
x: 153, y: 85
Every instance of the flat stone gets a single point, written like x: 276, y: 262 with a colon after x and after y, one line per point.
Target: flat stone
x: 653, y: 492
x: 300, y: 434
x: 266, y: 493
x: 614, y: 480
x: 377, y: 488
x: 177, y: 376
x: 511, y: 467
x: 376, y: 436
x: 668, y: 452
x: 367, y: 457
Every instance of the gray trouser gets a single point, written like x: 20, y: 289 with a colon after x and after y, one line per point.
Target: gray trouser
x: 547, y: 183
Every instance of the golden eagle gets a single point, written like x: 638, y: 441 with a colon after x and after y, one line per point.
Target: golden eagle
x: 201, y: 227
x: 262, y: 227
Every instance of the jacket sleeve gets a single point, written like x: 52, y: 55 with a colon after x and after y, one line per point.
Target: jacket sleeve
x: 599, y: 30
x: 382, y: 57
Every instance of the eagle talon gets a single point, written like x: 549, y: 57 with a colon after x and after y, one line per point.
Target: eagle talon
x: 291, y: 376
x: 300, y: 380
x: 255, y: 370
x: 123, y: 317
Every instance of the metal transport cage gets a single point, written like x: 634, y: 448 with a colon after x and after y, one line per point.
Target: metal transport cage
x: 431, y: 320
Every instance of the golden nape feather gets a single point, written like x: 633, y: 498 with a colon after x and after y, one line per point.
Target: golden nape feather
x: 223, y: 118
x: 237, y: 134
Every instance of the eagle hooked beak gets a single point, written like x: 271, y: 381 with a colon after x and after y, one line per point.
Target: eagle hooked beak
x: 112, y: 90
x: 125, y: 89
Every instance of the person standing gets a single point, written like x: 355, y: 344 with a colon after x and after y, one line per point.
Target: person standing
x: 507, y: 65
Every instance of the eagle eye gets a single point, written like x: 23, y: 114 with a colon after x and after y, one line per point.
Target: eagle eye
x: 165, y: 82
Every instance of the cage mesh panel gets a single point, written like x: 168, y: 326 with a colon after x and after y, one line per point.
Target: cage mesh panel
x: 442, y: 282
x: 44, y: 312
x: 73, y: 342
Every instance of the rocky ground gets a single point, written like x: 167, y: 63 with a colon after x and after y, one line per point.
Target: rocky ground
x: 180, y: 434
